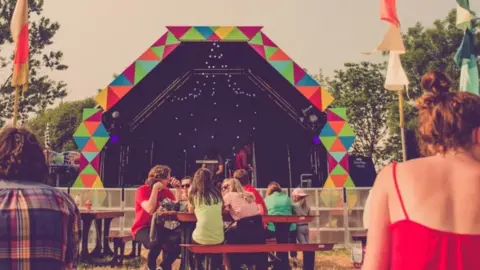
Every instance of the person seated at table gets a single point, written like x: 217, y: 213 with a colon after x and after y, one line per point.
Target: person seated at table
x: 247, y: 227
x: 147, y: 199
x: 242, y: 176
x: 39, y: 224
x: 301, y: 208
x: 185, y: 184
x: 278, y: 203
x: 205, y: 200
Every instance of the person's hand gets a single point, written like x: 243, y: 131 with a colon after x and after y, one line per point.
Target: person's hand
x: 157, y: 186
x: 175, y: 183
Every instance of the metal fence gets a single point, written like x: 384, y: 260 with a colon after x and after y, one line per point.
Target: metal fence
x: 339, y: 211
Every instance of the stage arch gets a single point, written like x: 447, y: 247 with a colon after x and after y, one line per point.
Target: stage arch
x: 197, y: 87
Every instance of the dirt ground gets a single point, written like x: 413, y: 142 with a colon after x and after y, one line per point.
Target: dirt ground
x: 338, y: 259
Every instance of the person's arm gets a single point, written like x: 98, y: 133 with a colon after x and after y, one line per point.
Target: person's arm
x: 220, y: 170
x: 178, y: 191
x: 150, y: 205
x: 244, y: 160
x: 366, y: 211
x: 227, y: 203
x: 378, y: 248
x: 220, y: 166
x: 190, y: 206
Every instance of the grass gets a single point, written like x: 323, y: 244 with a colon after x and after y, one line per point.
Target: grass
x: 337, y: 259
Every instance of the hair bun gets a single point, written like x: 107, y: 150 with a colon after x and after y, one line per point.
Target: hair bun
x: 435, y: 83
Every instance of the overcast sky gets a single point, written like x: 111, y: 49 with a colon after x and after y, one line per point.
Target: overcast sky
x: 102, y: 37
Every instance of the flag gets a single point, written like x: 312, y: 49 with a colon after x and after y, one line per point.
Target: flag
x: 466, y: 59
x: 464, y: 14
x: 19, y: 29
x: 392, y: 42
x: 396, y: 77
x: 388, y: 12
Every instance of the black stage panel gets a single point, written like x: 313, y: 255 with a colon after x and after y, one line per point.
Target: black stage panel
x: 208, y: 95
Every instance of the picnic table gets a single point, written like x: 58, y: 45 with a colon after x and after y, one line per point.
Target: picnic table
x: 188, y: 220
x: 99, y: 216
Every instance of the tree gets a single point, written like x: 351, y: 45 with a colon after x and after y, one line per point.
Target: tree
x: 63, y: 120
x: 42, y: 91
x: 359, y: 88
x: 428, y: 49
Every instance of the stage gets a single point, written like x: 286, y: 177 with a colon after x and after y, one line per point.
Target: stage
x: 194, y: 90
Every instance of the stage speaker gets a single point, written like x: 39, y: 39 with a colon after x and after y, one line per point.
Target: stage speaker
x: 362, y: 170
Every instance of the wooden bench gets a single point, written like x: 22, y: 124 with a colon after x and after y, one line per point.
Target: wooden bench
x: 119, y: 240
x: 259, y: 248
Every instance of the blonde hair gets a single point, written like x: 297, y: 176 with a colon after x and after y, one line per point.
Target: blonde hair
x: 234, y: 185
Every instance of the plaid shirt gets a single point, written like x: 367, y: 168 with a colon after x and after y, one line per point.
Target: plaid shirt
x: 39, y: 228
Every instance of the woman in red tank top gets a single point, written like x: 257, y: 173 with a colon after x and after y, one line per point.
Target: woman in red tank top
x: 424, y: 212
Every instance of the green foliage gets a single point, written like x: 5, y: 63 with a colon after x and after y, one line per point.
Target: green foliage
x: 42, y: 91
x: 359, y: 88
x: 63, y: 120
x: 428, y: 49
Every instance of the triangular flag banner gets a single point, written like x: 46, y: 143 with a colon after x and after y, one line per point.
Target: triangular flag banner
x: 391, y: 42
x: 467, y: 60
x: 388, y: 12
x: 464, y: 14
x: 469, y: 76
x: 396, y: 78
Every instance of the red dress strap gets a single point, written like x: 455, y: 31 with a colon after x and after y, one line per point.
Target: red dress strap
x: 398, y: 190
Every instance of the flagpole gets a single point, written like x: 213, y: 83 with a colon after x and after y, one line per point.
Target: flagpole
x: 402, y: 125
x: 15, y: 106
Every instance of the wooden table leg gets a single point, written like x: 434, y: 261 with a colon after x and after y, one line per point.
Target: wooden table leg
x: 309, y: 260
x: 107, y: 251
x: 186, y: 239
x: 84, y: 255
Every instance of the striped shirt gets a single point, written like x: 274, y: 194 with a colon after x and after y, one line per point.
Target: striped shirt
x: 39, y: 227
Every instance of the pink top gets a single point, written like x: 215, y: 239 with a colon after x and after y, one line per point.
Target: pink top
x: 416, y: 246
x: 238, y: 206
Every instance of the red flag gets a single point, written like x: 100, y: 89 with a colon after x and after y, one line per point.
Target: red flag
x: 388, y: 11
x: 19, y: 29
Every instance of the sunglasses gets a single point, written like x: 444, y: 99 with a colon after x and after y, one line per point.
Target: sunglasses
x: 186, y: 186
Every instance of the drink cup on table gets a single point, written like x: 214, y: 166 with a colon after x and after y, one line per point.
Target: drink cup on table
x: 88, y: 205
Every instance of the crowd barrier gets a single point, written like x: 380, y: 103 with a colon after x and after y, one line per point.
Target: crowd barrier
x: 339, y: 210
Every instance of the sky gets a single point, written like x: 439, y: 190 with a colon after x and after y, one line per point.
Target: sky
x: 100, y: 38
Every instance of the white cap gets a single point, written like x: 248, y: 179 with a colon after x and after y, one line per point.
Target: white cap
x: 299, y: 192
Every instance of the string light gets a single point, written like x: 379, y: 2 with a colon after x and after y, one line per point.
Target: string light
x: 203, y: 86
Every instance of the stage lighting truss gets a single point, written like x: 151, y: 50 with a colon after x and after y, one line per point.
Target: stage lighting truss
x: 169, y: 92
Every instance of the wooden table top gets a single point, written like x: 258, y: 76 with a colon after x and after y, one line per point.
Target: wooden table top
x: 190, y: 217
x: 99, y: 214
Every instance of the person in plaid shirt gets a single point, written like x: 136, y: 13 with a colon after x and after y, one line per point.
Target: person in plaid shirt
x: 39, y: 225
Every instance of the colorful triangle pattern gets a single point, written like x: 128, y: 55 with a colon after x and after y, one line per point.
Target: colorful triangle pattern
x: 337, y: 136
x: 214, y: 33
x: 90, y: 137
x: 134, y: 73
x: 291, y: 71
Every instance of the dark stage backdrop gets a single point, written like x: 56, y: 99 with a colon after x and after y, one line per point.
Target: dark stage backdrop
x: 214, y: 110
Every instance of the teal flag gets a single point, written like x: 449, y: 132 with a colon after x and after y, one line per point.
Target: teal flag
x: 466, y: 59
x: 464, y: 4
